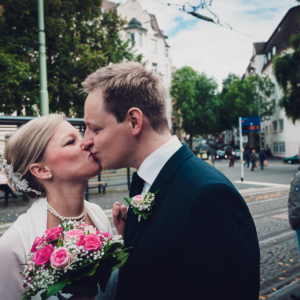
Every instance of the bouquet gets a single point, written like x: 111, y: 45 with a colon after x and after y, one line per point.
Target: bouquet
x: 73, y: 258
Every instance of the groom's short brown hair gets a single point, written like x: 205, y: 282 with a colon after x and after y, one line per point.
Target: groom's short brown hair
x: 129, y: 84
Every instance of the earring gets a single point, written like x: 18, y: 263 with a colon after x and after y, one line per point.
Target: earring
x: 50, y: 175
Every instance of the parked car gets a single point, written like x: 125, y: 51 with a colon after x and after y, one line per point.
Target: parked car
x: 202, y: 154
x: 220, y: 154
x: 237, y: 153
x: 291, y: 160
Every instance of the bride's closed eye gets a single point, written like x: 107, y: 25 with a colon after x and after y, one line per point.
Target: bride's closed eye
x: 70, y: 142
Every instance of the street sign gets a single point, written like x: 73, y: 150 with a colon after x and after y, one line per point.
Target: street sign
x: 245, y: 139
x: 251, y: 124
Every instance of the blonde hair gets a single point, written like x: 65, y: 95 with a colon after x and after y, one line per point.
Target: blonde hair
x: 129, y: 84
x: 27, y: 146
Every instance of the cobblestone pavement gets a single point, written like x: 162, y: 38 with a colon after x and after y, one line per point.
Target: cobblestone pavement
x: 279, y: 246
x: 266, y: 226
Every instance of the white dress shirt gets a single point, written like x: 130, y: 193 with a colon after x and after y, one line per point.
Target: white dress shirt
x: 152, y: 165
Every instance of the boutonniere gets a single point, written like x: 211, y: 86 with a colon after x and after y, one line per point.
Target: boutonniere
x: 142, y: 204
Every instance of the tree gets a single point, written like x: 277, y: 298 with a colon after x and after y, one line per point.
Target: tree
x: 242, y: 97
x: 79, y: 40
x: 195, y: 97
x: 287, y: 73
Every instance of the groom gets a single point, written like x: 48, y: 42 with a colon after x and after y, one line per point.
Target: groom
x: 200, y: 242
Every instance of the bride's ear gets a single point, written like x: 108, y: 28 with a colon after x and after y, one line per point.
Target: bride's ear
x: 39, y: 171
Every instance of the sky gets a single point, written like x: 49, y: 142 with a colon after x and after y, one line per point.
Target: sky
x: 215, y: 50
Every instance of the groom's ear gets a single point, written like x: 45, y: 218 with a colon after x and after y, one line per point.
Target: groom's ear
x: 135, y: 117
x: 39, y: 171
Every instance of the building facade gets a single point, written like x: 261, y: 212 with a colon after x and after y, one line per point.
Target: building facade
x: 147, y: 39
x: 279, y: 134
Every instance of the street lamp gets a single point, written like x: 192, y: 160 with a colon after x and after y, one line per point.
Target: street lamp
x: 253, y: 72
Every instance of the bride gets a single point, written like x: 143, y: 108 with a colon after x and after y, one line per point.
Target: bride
x: 48, y: 153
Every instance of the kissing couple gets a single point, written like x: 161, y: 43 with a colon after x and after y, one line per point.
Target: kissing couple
x: 200, y: 241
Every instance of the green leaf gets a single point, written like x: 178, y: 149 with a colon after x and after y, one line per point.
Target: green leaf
x: 61, y: 224
x: 27, y: 297
x: 88, y: 269
x: 155, y: 193
x: 57, y: 286
x: 121, y: 261
x: 128, y: 200
x: 114, y: 247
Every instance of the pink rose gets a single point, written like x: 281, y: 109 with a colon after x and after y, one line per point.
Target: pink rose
x: 37, y: 242
x: 61, y: 258
x: 53, y: 234
x: 138, y: 199
x: 89, y: 229
x: 73, y: 234
x: 105, y: 234
x: 43, y: 255
x: 90, y: 242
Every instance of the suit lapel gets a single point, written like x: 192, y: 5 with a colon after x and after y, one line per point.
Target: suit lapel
x: 135, y: 228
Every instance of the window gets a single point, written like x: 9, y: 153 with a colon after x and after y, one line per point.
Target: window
x: 132, y: 38
x: 275, y: 147
x: 140, y: 39
x: 281, y: 147
x: 167, y: 52
x: 153, y: 46
x: 274, y: 126
x: 280, y: 125
x: 266, y: 130
x: 274, y: 50
x: 266, y: 60
x: 154, y: 68
x: 269, y: 56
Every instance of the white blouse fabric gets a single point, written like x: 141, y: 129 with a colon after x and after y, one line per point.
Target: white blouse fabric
x: 18, y: 239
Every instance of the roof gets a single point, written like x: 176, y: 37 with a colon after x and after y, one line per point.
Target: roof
x: 108, y: 5
x: 289, y: 25
x: 259, y: 48
x: 135, y: 24
x: 154, y: 23
x: 280, y: 38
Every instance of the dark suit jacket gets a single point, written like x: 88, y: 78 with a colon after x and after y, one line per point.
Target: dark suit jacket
x: 200, y: 242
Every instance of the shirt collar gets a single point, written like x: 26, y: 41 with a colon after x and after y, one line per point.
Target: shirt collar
x: 152, y: 165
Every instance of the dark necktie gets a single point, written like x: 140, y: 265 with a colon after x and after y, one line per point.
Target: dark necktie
x: 137, y: 185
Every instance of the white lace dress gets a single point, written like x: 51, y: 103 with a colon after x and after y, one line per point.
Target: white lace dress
x: 18, y: 239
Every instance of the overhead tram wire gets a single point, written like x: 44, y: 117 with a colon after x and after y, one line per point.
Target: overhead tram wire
x: 204, y: 18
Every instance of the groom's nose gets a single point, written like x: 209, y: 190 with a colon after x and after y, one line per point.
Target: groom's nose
x: 88, y: 142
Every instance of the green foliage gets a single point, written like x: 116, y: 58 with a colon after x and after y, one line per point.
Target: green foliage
x: 287, y: 73
x: 79, y: 40
x: 242, y: 98
x: 195, y: 99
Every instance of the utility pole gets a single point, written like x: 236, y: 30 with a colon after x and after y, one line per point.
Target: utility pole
x: 258, y: 110
x: 44, y: 97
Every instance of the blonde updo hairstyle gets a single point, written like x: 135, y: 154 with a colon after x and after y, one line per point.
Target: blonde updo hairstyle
x: 27, y: 146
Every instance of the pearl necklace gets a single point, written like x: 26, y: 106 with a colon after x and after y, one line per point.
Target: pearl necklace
x: 56, y: 214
